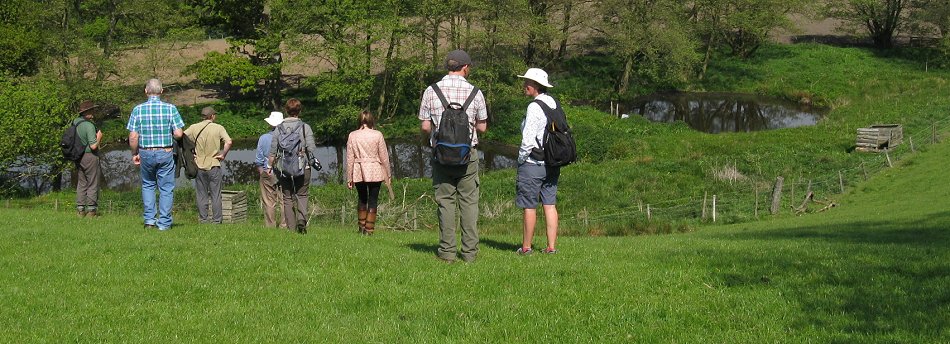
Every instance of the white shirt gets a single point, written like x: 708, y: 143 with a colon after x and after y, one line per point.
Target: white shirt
x: 532, y: 129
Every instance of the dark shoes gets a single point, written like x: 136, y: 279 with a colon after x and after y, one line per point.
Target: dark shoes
x: 148, y: 226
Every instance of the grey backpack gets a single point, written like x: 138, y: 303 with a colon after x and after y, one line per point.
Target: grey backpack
x: 290, y: 163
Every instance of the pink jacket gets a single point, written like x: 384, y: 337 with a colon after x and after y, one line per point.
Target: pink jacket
x: 367, y: 159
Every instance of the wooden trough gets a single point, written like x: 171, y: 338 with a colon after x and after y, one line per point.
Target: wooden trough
x: 233, y: 206
x: 878, y: 138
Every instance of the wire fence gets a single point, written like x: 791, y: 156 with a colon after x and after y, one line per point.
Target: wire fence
x: 744, y: 201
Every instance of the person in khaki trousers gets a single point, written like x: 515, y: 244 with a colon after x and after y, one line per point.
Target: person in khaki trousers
x: 270, y: 193
x: 87, y: 185
x: 367, y: 167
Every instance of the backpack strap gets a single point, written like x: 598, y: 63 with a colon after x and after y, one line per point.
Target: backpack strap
x: 548, y: 112
x: 438, y: 92
x: 471, y: 97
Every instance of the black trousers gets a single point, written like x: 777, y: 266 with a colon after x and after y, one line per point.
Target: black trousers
x: 368, y: 193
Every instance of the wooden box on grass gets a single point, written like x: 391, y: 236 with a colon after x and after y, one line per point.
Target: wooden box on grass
x: 877, y: 138
x: 233, y: 206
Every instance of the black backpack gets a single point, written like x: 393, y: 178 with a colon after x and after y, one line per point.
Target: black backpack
x: 453, y: 139
x: 71, y: 143
x: 557, y: 145
x: 289, y: 161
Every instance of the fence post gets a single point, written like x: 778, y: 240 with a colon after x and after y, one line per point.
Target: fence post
x: 56, y: 205
x: 649, y: 217
x: 912, y: 148
x: 865, y: 170
x: 777, y: 195
x: 342, y: 214
x: 705, y: 195
x: 887, y: 154
x: 933, y: 128
x: 714, y: 208
x: 415, y: 216
x: 841, y: 181
x: 755, y: 189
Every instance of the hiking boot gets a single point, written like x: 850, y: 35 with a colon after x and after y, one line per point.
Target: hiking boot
x: 92, y: 213
x: 81, y: 213
x: 148, y: 226
x: 550, y: 251
x: 524, y: 251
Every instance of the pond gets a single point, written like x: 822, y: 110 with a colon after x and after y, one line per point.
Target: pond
x: 723, y: 112
x: 408, y: 159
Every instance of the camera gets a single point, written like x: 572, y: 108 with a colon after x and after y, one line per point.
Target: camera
x: 314, y: 163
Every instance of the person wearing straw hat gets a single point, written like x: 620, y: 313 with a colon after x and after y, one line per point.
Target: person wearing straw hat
x: 456, y: 186
x: 88, y: 172
x: 209, y: 137
x: 535, y: 180
x: 270, y: 193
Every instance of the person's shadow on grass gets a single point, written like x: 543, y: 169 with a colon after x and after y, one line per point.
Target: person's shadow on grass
x: 499, y: 245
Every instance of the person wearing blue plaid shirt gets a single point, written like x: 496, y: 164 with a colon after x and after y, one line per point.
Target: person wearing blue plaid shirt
x: 152, y: 127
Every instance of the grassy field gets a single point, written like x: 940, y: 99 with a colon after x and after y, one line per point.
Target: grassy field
x: 874, y: 270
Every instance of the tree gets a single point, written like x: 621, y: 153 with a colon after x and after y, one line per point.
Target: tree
x: 652, y: 39
x: 880, y: 18
x: 741, y: 25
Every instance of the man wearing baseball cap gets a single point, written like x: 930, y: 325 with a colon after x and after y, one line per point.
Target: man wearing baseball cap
x: 535, y: 180
x: 209, y: 137
x: 456, y: 186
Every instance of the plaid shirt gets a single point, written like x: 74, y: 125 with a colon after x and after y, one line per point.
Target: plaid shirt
x: 456, y: 90
x: 155, y: 120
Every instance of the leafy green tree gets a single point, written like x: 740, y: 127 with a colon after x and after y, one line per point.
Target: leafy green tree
x: 651, y: 37
x: 881, y: 19
x: 741, y: 25
x: 33, y: 121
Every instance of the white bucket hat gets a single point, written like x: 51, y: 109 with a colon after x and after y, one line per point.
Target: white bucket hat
x: 275, y: 119
x: 538, y: 75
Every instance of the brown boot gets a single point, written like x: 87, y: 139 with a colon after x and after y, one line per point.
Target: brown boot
x: 92, y: 213
x: 361, y: 216
x: 370, y: 221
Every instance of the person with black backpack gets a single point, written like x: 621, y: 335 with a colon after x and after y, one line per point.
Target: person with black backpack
x: 546, y: 145
x: 292, y: 157
x: 453, y: 112
x: 81, y: 145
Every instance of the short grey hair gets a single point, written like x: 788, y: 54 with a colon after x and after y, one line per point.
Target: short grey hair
x: 153, y: 87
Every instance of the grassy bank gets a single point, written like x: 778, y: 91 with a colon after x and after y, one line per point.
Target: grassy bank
x: 874, y: 270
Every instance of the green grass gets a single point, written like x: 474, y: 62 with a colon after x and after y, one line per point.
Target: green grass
x: 874, y: 270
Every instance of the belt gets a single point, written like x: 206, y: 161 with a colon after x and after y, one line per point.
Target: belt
x: 167, y: 149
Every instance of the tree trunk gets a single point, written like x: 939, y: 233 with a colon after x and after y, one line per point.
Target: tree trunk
x: 384, y: 89
x: 435, y: 44
x: 107, y: 44
x: 565, y: 28
x: 625, y: 79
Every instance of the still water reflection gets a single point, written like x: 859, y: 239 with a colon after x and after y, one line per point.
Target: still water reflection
x: 719, y: 112
x: 408, y: 159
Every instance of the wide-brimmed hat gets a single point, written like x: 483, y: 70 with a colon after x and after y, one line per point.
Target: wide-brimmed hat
x: 275, y: 119
x: 538, y: 75
x: 87, y: 105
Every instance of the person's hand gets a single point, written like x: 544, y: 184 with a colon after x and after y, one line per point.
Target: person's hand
x: 349, y: 185
x: 219, y: 157
x: 99, y: 136
x: 136, y: 160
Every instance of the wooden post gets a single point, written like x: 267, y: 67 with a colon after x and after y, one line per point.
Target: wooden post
x: 639, y: 206
x: 342, y: 214
x: 912, y: 148
x: 755, y: 189
x: 714, y: 208
x: 777, y: 195
x: 649, y: 217
x: 933, y: 128
x: 56, y: 205
x: 705, y: 194
x: 841, y: 181
x: 415, y: 216
x: 887, y: 155
x: 865, y: 170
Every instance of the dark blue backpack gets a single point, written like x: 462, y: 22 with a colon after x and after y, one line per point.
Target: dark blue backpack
x: 453, y: 138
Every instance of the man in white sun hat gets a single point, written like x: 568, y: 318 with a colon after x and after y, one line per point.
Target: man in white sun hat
x: 270, y: 194
x: 537, y: 181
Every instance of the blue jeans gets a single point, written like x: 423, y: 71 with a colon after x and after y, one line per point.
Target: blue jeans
x: 158, y: 169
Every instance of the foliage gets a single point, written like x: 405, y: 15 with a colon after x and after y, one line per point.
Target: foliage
x: 235, y: 74
x: 881, y: 19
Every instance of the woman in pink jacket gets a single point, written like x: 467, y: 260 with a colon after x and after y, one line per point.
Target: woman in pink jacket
x: 367, y: 167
